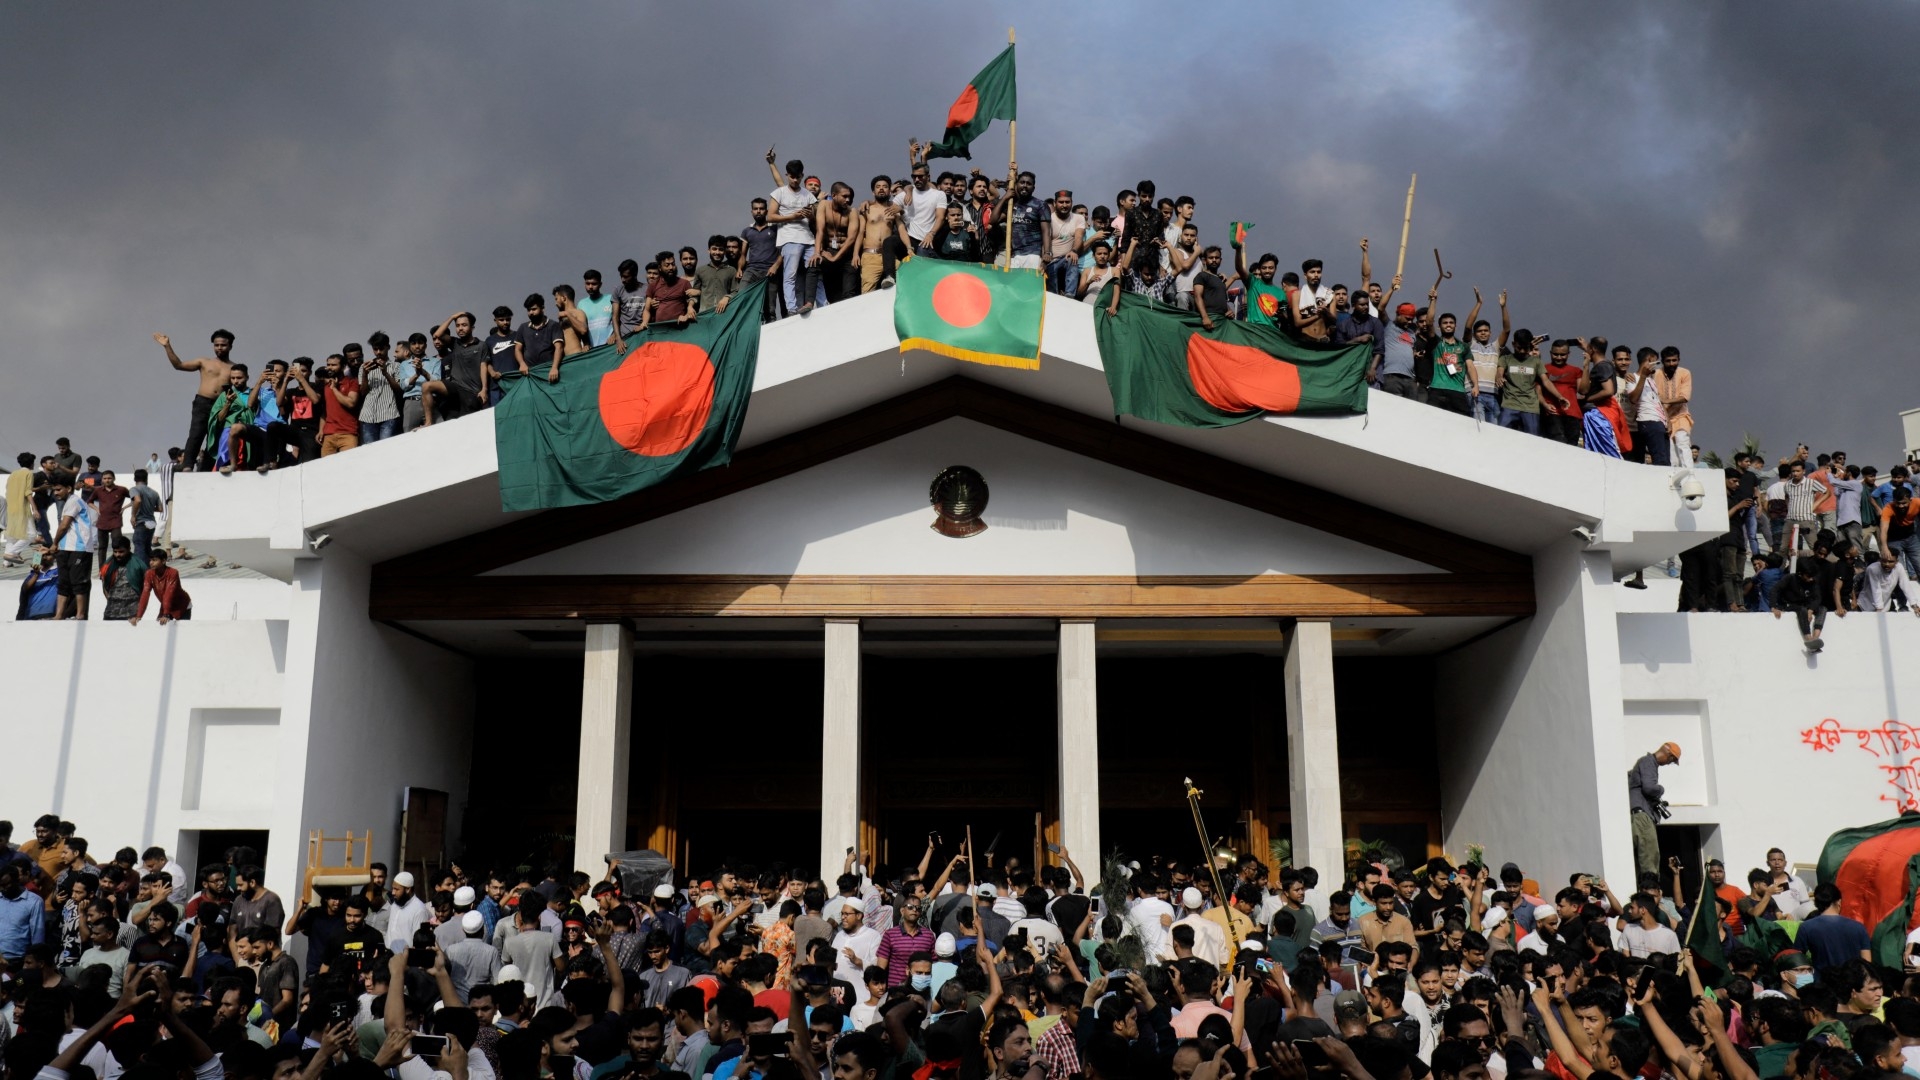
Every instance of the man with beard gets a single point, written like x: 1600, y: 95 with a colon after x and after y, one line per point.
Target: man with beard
x: 358, y: 945
x: 667, y: 294
x: 1313, y: 304
x: 410, y: 913
x: 1209, y: 288
x: 213, y: 375
x: 253, y: 903
x: 1032, y: 229
x: 831, y: 271
x: 715, y: 281
x: 463, y: 388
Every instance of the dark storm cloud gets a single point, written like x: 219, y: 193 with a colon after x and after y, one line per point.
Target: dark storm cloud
x: 1732, y: 179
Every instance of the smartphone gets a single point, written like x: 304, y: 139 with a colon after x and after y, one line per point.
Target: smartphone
x: 1264, y: 966
x: 1361, y: 957
x: 766, y: 1044
x: 342, y: 1011
x: 1053, y: 847
x: 1312, y: 1055
x: 428, y: 1046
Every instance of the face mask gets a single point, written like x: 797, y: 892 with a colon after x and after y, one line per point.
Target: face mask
x: 1803, y: 980
x: 920, y: 982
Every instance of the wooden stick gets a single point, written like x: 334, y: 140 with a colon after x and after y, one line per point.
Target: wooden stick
x: 1406, y: 222
x: 1013, y: 135
x: 970, y: 874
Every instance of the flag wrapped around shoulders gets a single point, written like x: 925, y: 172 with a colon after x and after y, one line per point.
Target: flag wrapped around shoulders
x: 1163, y: 365
x: 631, y: 413
x: 970, y: 312
x: 990, y: 96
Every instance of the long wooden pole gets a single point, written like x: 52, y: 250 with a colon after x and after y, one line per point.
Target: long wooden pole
x: 1206, y: 849
x: 1406, y: 222
x: 1013, y: 136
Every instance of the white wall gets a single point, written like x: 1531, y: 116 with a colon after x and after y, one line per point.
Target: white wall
x: 1747, y: 705
x: 114, y: 727
x: 1050, y: 512
x: 370, y: 711
x: 1529, y: 729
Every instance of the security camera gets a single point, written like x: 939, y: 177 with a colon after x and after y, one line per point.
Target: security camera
x: 1585, y: 534
x: 317, y: 541
x: 1692, y: 492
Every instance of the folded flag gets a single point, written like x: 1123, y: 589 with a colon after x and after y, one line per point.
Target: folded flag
x: 970, y: 312
x: 988, y: 97
x: 630, y: 414
x: 1238, y: 231
x: 1163, y: 365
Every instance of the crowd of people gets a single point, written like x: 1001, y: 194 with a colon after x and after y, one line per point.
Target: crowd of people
x: 1823, y: 536
x: 951, y: 969
x: 826, y: 244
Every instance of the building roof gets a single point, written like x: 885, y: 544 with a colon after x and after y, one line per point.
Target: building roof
x: 1499, y: 487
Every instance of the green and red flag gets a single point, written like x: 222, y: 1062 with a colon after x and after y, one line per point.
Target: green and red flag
x: 1877, y: 870
x: 1703, y: 936
x: 631, y: 413
x: 988, y: 97
x: 1163, y: 365
x: 1237, y: 231
x: 970, y: 312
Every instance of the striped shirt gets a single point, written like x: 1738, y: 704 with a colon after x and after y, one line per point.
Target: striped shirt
x: 897, y: 948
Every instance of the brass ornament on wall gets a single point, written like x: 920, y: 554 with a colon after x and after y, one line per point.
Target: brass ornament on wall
x: 959, y: 496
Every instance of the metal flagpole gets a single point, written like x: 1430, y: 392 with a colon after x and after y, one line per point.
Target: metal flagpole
x: 1013, y: 136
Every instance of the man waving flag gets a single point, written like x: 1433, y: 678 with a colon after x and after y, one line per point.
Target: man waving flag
x: 988, y: 97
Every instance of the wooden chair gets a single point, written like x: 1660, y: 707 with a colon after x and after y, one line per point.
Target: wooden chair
x: 346, y: 872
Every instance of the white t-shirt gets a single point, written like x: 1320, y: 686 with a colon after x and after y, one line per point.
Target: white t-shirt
x: 1099, y: 278
x: 1146, y: 914
x: 924, y: 211
x: 864, y: 942
x: 1042, y: 933
x: 788, y: 200
x: 1641, y: 943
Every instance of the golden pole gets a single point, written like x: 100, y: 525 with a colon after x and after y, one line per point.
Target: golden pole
x: 1405, y: 223
x: 1206, y: 850
x: 1013, y: 135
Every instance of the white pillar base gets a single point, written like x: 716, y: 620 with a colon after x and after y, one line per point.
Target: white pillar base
x: 840, y: 746
x: 1313, y: 756
x: 1079, y: 727
x: 606, y: 714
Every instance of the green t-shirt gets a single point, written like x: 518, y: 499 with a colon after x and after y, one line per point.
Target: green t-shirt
x: 1520, y: 383
x: 1449, y: 366
x: 1265, y: 302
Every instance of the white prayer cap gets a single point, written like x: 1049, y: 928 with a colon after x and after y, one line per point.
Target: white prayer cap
x: 463, y: 896
x: 473, y: 922
x: 1190, y: 897
x: 943, y: 945
x: 1545, y: 911
x: 403, y: 879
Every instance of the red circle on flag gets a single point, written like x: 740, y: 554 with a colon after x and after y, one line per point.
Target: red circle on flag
x: 965, y: 107
x: 962, y: 300
x: 1241, y: 378
x: 657, y: 401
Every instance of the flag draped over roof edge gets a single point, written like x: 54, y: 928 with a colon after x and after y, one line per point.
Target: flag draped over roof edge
x: 970, y: 312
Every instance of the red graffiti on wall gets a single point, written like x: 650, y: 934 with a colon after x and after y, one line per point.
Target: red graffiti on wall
x: 1893, y: 739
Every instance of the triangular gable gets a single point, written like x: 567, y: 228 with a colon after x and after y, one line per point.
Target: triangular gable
x: 1367, y: 552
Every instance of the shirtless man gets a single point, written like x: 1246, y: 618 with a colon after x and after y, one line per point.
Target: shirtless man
x: 877, y: 219
x: 213, y: 377
x: 573, y: 322
x: 830, y: 228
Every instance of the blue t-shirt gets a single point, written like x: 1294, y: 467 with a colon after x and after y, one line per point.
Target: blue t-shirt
x: 1764, y: 583
x: 599, y: 315
x: 1396, y: 357
x: 1831, y: 940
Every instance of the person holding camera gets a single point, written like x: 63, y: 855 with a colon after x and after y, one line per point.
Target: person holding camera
x: 1644, y: 793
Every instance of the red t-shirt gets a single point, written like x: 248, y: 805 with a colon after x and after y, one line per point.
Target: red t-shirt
x: 1566, y: 379
x: 340, y: 420
x: 777, y: 1000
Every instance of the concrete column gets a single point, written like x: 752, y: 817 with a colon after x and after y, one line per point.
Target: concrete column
x: 606, y: 714
x: 1313, y: 751
x: 1079, y: 725
x: 840, y: 744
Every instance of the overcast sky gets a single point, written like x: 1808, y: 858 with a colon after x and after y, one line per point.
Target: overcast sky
x: 1733, y: 179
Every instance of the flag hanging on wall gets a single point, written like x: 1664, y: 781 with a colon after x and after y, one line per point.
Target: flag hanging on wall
x: 970, y: 312
x: 1163, y: 365
x: 630, y: 414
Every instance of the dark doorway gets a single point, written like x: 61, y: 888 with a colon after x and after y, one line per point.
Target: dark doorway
x: 1003, y: 832
x: 1685, y: 843
x: 748, y: 837
x: 198, y: 847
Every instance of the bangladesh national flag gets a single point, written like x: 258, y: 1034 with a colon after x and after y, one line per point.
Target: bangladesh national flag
x: 988, y: 97
x: 970, y: 312
x: 1162, y: 365
x: 629, y: 415
x: 1703, y: 936
x: 1877, y: 870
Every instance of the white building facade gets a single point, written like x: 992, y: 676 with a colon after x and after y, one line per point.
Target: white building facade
x: 1400, y: 627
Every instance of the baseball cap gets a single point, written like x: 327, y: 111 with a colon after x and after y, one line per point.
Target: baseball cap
x: 1349, y: 1005
x: 463, y: 896
x: 472, y: 921
x: 987, y: 890
x: 403, y: 879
